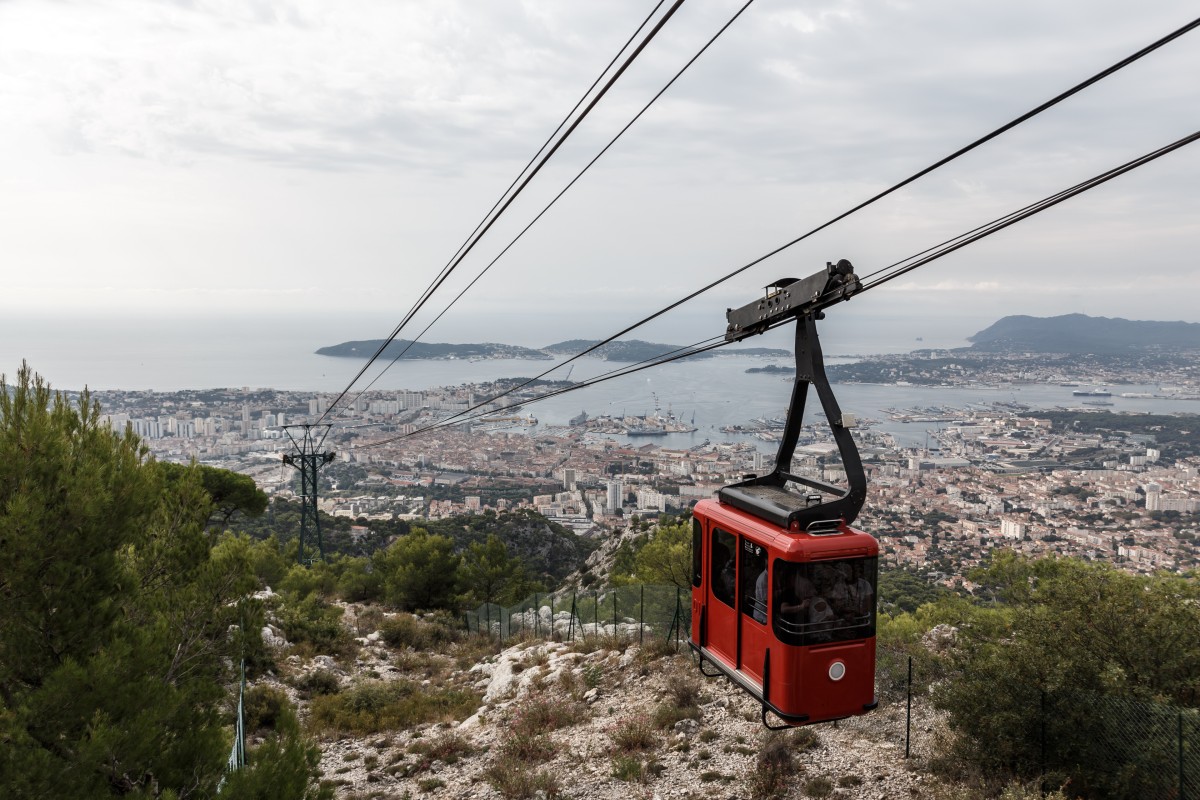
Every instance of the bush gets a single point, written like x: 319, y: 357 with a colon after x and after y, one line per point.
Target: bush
x: 373, y: 706
x: 448, y: 747
x: 546, y: 714
x: 629, y: 769
x: 634, y: 734
x: 774, y: 767
x: 819, y: 786
x: 518, y: 782
x: 405, y: 630
x: 263, y: 707
x: 317, y: 624
x: 318, y: 682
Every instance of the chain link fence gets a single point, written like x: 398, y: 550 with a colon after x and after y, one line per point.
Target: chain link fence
x: 636, y: 612
x: 1100, y: 745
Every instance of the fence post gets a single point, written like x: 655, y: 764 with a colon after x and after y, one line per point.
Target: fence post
x: 679, y: 617
x: 487, y: 615
x: 642, y: 616
x: 537, y: 615
x: 908, y: 713
x: 571, y: 624
x: 596, y: 616
x: 614, y: 611
x: 1181, y: 787
x: 1043, y: 733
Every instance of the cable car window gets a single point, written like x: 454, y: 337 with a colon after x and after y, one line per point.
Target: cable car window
x: 697, y: 551
x: 825, y: 601
x: 723, y: 565
x: 754, y: 580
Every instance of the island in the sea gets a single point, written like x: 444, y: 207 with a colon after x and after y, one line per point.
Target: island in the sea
x: 631, y: 350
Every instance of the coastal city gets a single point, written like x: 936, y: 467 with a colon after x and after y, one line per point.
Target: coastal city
x: 1076, y: 481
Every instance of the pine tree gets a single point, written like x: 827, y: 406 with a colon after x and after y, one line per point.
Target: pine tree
x: 115, y: 611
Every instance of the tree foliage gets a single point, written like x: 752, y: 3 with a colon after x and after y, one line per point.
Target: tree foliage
x: 1072, y: 639
x: 114, y: 643
x: 488, y: 574
x: 667, y: 557
x: 419, y: 571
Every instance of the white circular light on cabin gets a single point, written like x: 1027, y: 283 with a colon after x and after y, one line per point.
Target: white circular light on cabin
x: 837, y: 671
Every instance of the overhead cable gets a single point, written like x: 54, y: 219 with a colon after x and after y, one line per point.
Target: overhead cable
x: 511, y: 195
x: 884, y: 275
x: 895, y: 187
x: 564, y: 190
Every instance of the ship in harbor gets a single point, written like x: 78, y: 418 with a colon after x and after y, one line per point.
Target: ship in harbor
x: 1092, y: 393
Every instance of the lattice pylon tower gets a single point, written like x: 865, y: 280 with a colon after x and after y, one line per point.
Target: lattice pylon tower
x: 308, y: 458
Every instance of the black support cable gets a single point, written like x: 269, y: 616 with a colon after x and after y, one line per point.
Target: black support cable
x: 484, y: 228
x: 702, y: 346
x: 942, y: 162
x: 915, y: 176
x: 909, y: 264
x: 556, y: 198
x: 1011, y: 219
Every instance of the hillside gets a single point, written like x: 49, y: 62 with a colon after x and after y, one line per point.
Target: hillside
x: 1079, y: 333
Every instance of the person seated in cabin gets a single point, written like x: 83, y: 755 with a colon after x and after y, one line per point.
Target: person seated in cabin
x: 760, y: 597
x: 863, y: 592
x: 839, y: 591
x: 796, y: 600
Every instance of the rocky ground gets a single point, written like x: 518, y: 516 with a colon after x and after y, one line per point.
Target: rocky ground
x: 595, y: 719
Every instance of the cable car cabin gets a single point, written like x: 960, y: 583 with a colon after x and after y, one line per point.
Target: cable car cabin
x: 783, y: 589
x: 787, y: 615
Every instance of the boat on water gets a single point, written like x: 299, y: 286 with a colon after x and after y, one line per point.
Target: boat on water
x: 1092, y: 393
x: 579, y: 420
x: 642, y: 430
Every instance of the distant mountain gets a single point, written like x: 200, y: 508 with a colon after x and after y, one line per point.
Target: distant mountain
x: 631, y: 350
x: 365, y: 349
x: 1079, y: 333
x: 636, y: 350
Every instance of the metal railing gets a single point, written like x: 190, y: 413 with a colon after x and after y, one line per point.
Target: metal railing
x: 638, y: 612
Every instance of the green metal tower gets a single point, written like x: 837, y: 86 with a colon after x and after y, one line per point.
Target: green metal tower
x: 308, y: 458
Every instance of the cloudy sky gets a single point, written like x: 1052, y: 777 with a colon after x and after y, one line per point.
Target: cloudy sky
x: 253, y: 158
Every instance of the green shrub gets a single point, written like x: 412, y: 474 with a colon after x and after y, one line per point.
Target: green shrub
x: 314, y: 622
x: 263, y: 707
x: 372, y: 706
x: 819, y: 786
x: 774, y: 767
x: 518, y: 782
x: 634, y: 734
x: 545, y: 714
x: 629, y: 769
x: 448, y: 748
x: 404, y: 630
x: 528, y: 746
x: 318, y: 682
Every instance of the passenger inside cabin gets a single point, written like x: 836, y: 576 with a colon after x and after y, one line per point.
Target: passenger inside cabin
x: 797, y: 599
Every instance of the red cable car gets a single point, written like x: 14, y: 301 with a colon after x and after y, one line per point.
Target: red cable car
x: 783, y: 589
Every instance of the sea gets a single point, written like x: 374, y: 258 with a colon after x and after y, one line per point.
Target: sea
x: 249, y: 351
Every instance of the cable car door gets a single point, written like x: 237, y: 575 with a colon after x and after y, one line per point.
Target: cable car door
x: 753, y: 591
x: 722, y: 633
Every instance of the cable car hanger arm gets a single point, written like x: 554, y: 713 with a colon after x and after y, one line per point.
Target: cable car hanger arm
x: 766, y: 497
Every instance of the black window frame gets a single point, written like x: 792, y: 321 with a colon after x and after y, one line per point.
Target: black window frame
x: 751, y: 555
x: 697, y: 552
x: 716, y: 565
x: 838, y: 617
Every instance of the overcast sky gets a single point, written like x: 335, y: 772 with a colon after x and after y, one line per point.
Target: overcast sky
x: 230, y: 156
